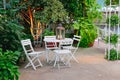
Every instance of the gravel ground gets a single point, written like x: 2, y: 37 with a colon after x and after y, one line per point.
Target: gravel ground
x: 91, y: 66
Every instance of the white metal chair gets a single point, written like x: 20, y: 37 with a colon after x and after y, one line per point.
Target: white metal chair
x: 50, y: 44
x: 32, y: 56
x: 74, y: 48
x: 66, y: 42
x: 63, y: 55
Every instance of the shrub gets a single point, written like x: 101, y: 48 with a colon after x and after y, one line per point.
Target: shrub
x: 88, y: 31
x: 8, y: 69
x: 10, y: 31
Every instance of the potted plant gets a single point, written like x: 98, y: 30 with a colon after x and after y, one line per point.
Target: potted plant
x: 88, y: 32
x: 8, y: 68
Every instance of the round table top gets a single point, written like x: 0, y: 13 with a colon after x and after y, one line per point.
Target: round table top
x: 57, y: 40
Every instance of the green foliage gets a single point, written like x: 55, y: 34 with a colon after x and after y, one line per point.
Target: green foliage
x: 92, y: 10
x: 114, y: 20
x: 52, y: 12
x: 8, y: 70
x: 75, y: 8
x: 85, y: 24
x: 88, y: 31
x: 118, y: 55
x: 47, y: 32
x: 113, y: 39
x: 113, y: 54
x: 113, y: 2
x: 10, y: 30
x: 82, y: 8
x: 69, y: 35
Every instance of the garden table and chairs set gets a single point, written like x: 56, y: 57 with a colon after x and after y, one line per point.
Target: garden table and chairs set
x: 63, y: 51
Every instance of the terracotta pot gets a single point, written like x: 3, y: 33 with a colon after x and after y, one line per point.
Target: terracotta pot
x: 91, y: 44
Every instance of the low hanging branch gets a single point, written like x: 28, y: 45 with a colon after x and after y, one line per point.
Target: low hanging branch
x: 25, y: 16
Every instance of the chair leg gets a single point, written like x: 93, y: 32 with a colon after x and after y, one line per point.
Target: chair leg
x: 72, y: 56
x: 40, y: 62
x: 58, y: 61
x: 68, y: 62
x: 47, y: 55
x: 27, y: 65
x: 98, y: 43
x: 30, y: 64
x: 56, y: 58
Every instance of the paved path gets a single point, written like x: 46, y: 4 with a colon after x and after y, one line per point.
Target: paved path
x: 91, y: 66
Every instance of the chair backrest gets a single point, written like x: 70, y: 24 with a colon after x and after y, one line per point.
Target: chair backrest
x: 77, y: 39
x: 66, y: 42
x: 27, y: 46
x: 50, y: 42
x: 49, y: 37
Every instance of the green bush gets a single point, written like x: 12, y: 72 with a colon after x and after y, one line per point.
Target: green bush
x: 118, y: 55
x: 88, y: 31
x: 10, y: 31
x: 8, y: 68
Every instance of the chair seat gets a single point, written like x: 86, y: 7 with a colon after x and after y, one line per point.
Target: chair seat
x: 62, y: 51
x: 69, y: 47
x: 73, y: 48
x: 52, y: 48
x: 36, y: 53
x: 62, y: 56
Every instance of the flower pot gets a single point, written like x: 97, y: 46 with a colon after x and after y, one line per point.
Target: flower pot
x: 91, y: 44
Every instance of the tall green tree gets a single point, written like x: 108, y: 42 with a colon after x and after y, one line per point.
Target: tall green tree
x: 52, y: 10
x: 81, y: 8
x: 74, y: 8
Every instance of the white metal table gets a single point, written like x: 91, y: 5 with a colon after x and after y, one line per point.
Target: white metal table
x: 57, y: 40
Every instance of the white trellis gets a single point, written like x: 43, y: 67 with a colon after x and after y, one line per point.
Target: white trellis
x: 109, y: 12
